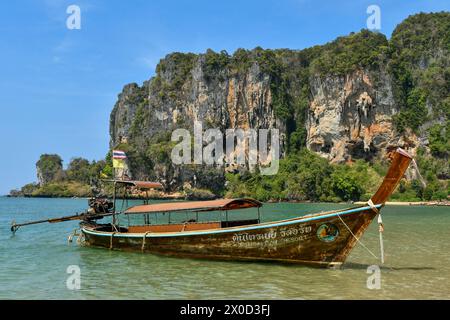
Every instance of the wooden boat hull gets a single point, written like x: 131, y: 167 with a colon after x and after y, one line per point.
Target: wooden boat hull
x: 321, y: 240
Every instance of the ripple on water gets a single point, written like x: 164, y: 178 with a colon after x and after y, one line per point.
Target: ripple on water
x: 34, y: 262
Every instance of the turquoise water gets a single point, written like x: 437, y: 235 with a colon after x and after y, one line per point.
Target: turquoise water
x: 33, y: 263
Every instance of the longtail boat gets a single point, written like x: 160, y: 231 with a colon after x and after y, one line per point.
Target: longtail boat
x: 323, y: 239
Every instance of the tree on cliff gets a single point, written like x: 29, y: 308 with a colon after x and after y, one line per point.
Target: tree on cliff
x: 79, y: 170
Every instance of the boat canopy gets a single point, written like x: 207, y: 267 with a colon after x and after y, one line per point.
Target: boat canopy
x: 138, y: 184
x: 144, y: 184
x: 198, y: 206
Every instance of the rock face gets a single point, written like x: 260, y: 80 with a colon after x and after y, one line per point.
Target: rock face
x: 340, y: 100
x: 223, y: 99
x: 350, y: 117
x: 242, y: 100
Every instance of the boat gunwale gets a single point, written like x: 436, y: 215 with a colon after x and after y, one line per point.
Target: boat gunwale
x: 270, y: 224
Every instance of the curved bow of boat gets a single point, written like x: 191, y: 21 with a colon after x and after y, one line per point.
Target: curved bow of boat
x: 400, y: 162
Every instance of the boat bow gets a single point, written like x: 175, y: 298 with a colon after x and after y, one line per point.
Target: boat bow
x: 400, y: 162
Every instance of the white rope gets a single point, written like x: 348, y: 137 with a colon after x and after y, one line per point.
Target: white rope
x: 80, y: 239
x: 380, y: 228
x: 422, y: 180
x: 380, y: 231
x: 111, y: 242
x: 357, y: 237
x: 144, y: 240
x: 372, y: 206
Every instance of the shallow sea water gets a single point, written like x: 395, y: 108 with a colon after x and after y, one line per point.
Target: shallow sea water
x: 34, y: 261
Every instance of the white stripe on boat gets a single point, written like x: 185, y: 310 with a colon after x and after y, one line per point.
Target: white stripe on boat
x: 228, y: 230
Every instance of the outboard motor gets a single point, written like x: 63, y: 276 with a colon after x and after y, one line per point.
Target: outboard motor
x: 100, y: 205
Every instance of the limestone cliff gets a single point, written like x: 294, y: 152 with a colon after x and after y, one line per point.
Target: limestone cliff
x: 49, y: 168
x: 350, y: 116
x: 345, y: 100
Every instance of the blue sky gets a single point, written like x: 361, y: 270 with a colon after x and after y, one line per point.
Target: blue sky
x: 58, y: 86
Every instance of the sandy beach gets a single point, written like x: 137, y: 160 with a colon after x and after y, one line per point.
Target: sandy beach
x: 419, y: 203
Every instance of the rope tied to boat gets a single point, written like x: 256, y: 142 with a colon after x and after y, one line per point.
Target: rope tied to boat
x: 143, y: 240
x: 372, y: 206
x: 111, y: 240
x: 416, y: 167
x: 72, y: 235
x: 380, y: 232
x: 81, y: 238
x: 14, y: 228
x: 356, y: 238
x: 380, y: 228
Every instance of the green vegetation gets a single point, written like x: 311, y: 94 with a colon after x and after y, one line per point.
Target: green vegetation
x: 362, y: 50
x: 26, y: 191
x: 49, y: 168
x: 160, y: 149
x: 241, y: 61
x: 415, y: 114
x: 82, y: 171
x: 215, y: 64
x: 63, y: 189
x: 54, y: 181
x: 439, y: 138
x: 419, y: 63
x: 306, y: 176
x: 173, y: 71
x: 197, y: 194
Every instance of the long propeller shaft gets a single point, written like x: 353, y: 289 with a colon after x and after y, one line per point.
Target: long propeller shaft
x: 81, y: 216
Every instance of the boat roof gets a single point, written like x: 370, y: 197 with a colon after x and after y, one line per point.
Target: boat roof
x: 138, y: 184
x: 211, y: 205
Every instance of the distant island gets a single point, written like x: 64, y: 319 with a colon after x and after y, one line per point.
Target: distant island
x: 83, y: 179
x: 340, y: 108
x: 54, y: 181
